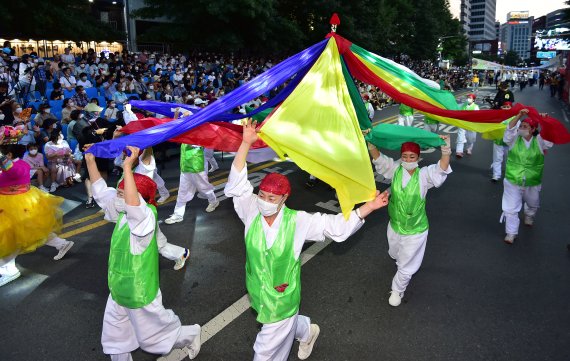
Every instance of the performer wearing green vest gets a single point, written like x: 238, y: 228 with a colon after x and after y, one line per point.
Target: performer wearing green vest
x: 466, y: 136
x: 523, y: 174
x: 134, y: 314
x: 408, y: 226
x: 430, y: 124
x: 274, y: 238
x: 406, y: 116
x: 500, y: 150
x: 193, y: 178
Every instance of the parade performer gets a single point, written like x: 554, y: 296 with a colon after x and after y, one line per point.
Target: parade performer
x: 134, y: 314
x: 430, y: 124
x: 523, y: 173
x: 408, y: 227
x: 28, y: 216
x: 406, y: 116
x: 500, y: 150
x: 211, y: 160
x: 274, y: 237
x: 466, y: 136
x: 147, y: 166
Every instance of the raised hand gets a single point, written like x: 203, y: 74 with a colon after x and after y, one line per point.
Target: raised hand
x: 250, y: 132
x: 132, y: 158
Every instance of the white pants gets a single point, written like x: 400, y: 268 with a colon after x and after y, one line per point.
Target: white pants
x: 8, y: 264
x: 513, y: 198
x: 499, y: 154
x: 431, y: 127
x: 408, y: 251
x: 274, y: 341
x: 162, y: 190
x: 405, y: 120
x: 190, y: 183
x: 152, y: 328
x: 168, y: 250
x: 465, y: 138
x: 209, y: 157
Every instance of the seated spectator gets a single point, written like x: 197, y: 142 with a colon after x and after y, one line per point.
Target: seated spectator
x: 120, y: 97
x: 94, y: 101
x: 111, y: 112
x: 110, y: 87
x: 82, y: 68
x: 36, y: 162
x: 84, y: 82
x: 80, y: 98
x: 60, y: 162
x: 57, y: 92
x: 68, y: 107
x: 43, y: 114
x: 67, y: 81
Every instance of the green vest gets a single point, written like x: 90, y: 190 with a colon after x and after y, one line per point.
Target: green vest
x: 500, y: 141
x: 429, y: 120
x: 191, y: 159
x: 406, y: 110
x: 133, y: 279
x: 525, y: 165
x: 406, y: 208
x: 471, y: 106
x: 268, y: 268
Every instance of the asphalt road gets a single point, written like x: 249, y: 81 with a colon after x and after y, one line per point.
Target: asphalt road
x: 474, y: 298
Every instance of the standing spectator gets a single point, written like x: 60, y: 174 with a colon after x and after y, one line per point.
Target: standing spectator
x: 110, y: 87
x: 80, y: 98
x: 6, y: 102
x: 67, y: 57
x: 41, y: 78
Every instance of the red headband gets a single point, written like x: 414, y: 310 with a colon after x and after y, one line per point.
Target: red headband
x: 410, y: 147
x: 275, y: 183
x: 473, y: 96
x: 507, y: 104
x: 145, y: 186
x: 533, y: 123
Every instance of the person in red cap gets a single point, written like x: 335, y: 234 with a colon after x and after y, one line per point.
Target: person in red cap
x: 274, y: 238
x: 134, y: 314
x: 368, y: 105
x: 523, y: 173
x: 408, y: 227
x: 466, y: 138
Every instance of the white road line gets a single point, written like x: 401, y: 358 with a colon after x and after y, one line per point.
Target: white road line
x: 565, y: 116
x: 219, y: 322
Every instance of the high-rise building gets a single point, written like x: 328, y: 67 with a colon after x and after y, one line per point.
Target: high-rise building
x: 516, y: 33
x: 460, y: 9
x: 482, y: 20
x: 557, y: 19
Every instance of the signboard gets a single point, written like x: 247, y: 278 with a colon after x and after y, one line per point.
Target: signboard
x: 517, y: 15
x: 545, y: 54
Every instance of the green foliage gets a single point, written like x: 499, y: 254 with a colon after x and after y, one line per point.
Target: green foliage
x: 512, y: 58
x: 388, y: 27
x: 54, y: 19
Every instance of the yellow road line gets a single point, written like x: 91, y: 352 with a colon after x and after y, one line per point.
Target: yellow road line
x: 83, y: 229
x: 84, y: 219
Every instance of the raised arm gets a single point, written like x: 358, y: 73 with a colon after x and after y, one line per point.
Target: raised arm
x: 249, y: 137
x: 131, y: 192
x: 445, y: 153
x: 516, y: 119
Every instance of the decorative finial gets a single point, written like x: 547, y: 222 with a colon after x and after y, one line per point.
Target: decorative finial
x: 334, y: 22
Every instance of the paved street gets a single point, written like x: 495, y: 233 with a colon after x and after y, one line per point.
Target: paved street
x: 475, y: 298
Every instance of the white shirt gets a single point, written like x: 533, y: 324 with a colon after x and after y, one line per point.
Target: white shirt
x: 85, y: 84
x: 511, y: 136
x: 68, y: 58
x: 308, y: 227
x: 430, y: 176
x: 146, y: 169
x: 141, y: 219
x: 67, y: 81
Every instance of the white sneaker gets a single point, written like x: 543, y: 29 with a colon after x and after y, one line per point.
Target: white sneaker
x: 212, y: 206
x: 4, y: 279
x: 510, y: 238
x: 180, y: 262
x: 528, y: 221
x: 173, y: 219
x: 63, y: 251
x: 42, y: 188
x: 213, y: 169
x: 53, y: 187
x: 194, y: 347
x: 162, y: 199
x: 395, y: 298
x: 77, y: 178
x: 305, y: 348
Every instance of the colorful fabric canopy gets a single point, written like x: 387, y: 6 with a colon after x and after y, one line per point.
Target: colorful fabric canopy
x: 392, y: 136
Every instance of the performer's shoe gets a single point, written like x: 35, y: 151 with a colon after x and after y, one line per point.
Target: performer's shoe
x: 212, y: 206
x: 494, y: 179
x: 9, y: 278
x: 90, y: 203
x: 53, y: 187
x: 305, y: 348
x: 213, y: 169
x: 469, y: 152
x: 194, y: 348
x: 63, y: 251
x: 510, y: 238
x: 528, y: 221
x: 395, y: 298
x: 173, y: 219
x: 77, y: 178
x: 180, y: 262
x: 42, y: 188
x: 310, y: 183
x: 458, y: 155
x: 162, y: 199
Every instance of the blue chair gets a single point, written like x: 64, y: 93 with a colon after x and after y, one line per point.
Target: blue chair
x: 57, y: 113
x: 91, y: 92
x: 49, y: 85
x: 120, y: 107
x: 73, y: 144
x: 48, y: 92
x: 35, y: 105
x: 133, y: 95
x: 102, y: 101
x: 64, y: 130
x: 68, y: 93
x: 56, y: 105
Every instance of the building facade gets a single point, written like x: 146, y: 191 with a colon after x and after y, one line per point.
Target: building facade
x: 482, y: 20
x: 516, y: 33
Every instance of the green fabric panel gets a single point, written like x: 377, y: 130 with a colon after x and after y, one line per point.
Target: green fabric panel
x: 391, y: 136
x: 359, y: 107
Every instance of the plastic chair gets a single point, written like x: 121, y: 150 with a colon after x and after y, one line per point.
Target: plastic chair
x: 35, y: 105
x: 68, y: 93
x: 57, y: 113
x: 48, y: 92
x: 56, y: 104
x: 133, y: 95
x: 64, y: 130
x: 91, y: 92
x: 49, y: 85
x: 102, y: 101
x: 73, y: 144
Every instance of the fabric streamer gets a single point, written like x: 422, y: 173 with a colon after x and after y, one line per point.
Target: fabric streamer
x: 392, y: 136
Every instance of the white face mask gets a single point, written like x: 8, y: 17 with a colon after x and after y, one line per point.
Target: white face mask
x: 267, y: 209
x: 409, y: 165
x: 33, y: 151
x: 2, y: 116
x: 524, y: 133
x: 469, y: 101
x: 119, y: 204
x: 48, y: 110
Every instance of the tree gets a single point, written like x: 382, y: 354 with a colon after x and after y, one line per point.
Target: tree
x: 54, y: 19
x: 512, y: 58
